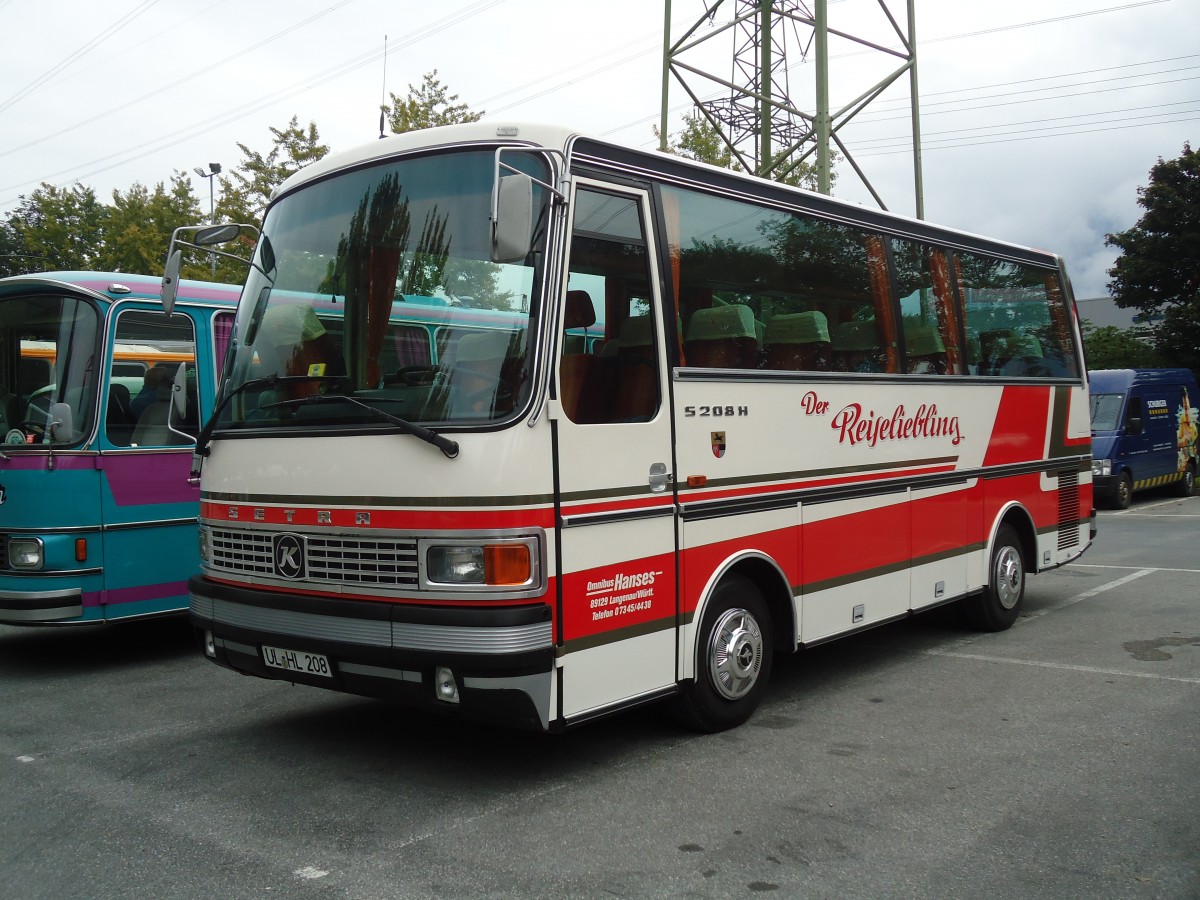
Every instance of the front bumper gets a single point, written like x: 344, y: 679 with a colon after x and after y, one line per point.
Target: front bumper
x: 1105, y: 486
x: 38, y: 607
x: 502, y: 658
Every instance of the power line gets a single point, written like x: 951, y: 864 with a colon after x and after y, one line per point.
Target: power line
x: 142, y: 150
x: 1031, y: 136
x: 178, y: 81
x: 78, y: 54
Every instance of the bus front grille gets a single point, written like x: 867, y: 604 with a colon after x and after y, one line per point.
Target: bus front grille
x: 328, y: 559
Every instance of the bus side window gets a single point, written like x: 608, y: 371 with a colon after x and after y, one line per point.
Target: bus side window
x: 138, y: 409
x: 927, y: 309
x: 1019, y: 314
x: 609, y: 261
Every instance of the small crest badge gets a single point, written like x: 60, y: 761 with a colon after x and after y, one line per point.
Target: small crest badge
x: 718, y: 444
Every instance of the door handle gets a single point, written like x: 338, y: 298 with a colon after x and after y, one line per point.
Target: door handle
x: 659, y: 477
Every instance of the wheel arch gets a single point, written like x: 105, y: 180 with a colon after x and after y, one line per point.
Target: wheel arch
x: 772, y: 584
x: 1018, y: 518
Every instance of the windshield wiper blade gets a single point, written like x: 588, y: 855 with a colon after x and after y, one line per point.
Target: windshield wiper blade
x: 205, y: 436
x: 447, y: 446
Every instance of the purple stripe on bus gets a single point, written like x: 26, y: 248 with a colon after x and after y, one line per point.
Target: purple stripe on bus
x: 148, y: 592
x: 137, y: 594
x: 138, y: 478
x: 133, y: 478
x: 150, y: 290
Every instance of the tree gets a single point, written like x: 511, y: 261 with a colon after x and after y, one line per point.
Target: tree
x: 139, y: 224
x: 1110, y: 347
x: 702, y: 141
x: 427, y: 106
x: 54, y: 228
x: 248, y: 187
x: 1158, y: 270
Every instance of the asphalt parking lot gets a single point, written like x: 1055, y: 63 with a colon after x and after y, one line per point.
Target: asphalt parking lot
x: 1057, y: 759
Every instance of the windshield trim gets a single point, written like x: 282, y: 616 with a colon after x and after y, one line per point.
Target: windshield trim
x: 527, y: 327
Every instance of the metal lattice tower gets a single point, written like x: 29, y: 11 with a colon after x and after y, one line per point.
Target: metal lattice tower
x: 765, y: 130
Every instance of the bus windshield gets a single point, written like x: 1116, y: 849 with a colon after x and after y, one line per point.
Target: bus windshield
x: 373, y: 291
x: 48, y: 369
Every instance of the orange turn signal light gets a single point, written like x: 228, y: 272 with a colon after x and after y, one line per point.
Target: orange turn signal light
x: 507, y: 564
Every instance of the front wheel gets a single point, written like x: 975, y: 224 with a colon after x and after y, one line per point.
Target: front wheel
x: 998, y: 606
x: 1124, y: 493
x: 733, y: 662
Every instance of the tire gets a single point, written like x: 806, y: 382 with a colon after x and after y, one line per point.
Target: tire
x: 1186, y: 486
x: 998, y: 606
x: 734, y: 656
x: 1123, y: 495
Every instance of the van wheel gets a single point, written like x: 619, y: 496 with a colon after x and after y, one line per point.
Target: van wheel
x: 733, y: 661
x: 1124, y: 492
x: 998, y: 606
x: 1186, y: 485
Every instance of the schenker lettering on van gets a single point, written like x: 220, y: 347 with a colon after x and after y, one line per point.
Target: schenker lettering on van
x: 1144, y: 425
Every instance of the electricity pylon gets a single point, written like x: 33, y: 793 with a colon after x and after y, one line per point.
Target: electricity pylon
x: 767, y: 133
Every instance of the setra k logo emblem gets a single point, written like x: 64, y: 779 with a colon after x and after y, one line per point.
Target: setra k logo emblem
x: 288, y: 555
x: 718, y: 443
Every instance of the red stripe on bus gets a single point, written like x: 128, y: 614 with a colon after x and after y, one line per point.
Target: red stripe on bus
x: 1019, y: 433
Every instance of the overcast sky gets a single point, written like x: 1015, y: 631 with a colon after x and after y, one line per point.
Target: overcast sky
x: 1040, y: 118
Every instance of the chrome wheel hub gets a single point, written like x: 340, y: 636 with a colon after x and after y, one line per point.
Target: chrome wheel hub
x: 735, y: 654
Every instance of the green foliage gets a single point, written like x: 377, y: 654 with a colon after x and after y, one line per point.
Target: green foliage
x: 247, y: 189
x: 69, y: 228
x: 702, y: 141
x: 54, y: 228
x: 1109, y: 347
x: 427, y: 106
x: 139, y: 224
x: 1158, y: 271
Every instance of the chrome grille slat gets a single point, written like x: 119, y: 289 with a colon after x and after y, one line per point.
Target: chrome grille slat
x: 330, y: 559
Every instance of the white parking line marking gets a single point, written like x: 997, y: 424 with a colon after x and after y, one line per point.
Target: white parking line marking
x: 1132, y: 568
x: 1107, y: 586
x: 1065, y: 666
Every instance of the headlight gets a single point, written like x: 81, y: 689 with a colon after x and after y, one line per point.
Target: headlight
x: 26, y: 553
x: 485, y: 564
x: 455, y: 565
x: 202, y: 538
x: 1102, y: 467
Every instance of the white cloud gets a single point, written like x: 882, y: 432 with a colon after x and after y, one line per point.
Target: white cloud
x: 1040, y: 119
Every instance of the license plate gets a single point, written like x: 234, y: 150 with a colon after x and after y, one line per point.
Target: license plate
x: 297, y: 661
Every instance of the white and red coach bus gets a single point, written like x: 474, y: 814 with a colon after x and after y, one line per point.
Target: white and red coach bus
x: 522, y: 425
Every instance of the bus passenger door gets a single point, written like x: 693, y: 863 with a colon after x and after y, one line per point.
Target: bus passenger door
x: 148, y: 506
x: 616, y: 494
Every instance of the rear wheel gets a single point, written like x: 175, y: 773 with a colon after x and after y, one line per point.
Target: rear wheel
x: 1186, y: 485
x: 733, y: 662
x: 1000, y: 603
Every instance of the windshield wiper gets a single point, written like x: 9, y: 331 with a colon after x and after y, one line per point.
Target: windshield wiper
x: 447, y: 446
x: 205, y: 436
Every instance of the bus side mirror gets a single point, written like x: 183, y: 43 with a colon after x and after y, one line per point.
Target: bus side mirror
x: 512, y: 217
x: 178, y: 422
x: 170, y: 281
x: 60, y: 427
x: 179, y: 392
x: 1134, y: 425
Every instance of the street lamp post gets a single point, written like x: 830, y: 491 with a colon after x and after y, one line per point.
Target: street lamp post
x: 214, y: 169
